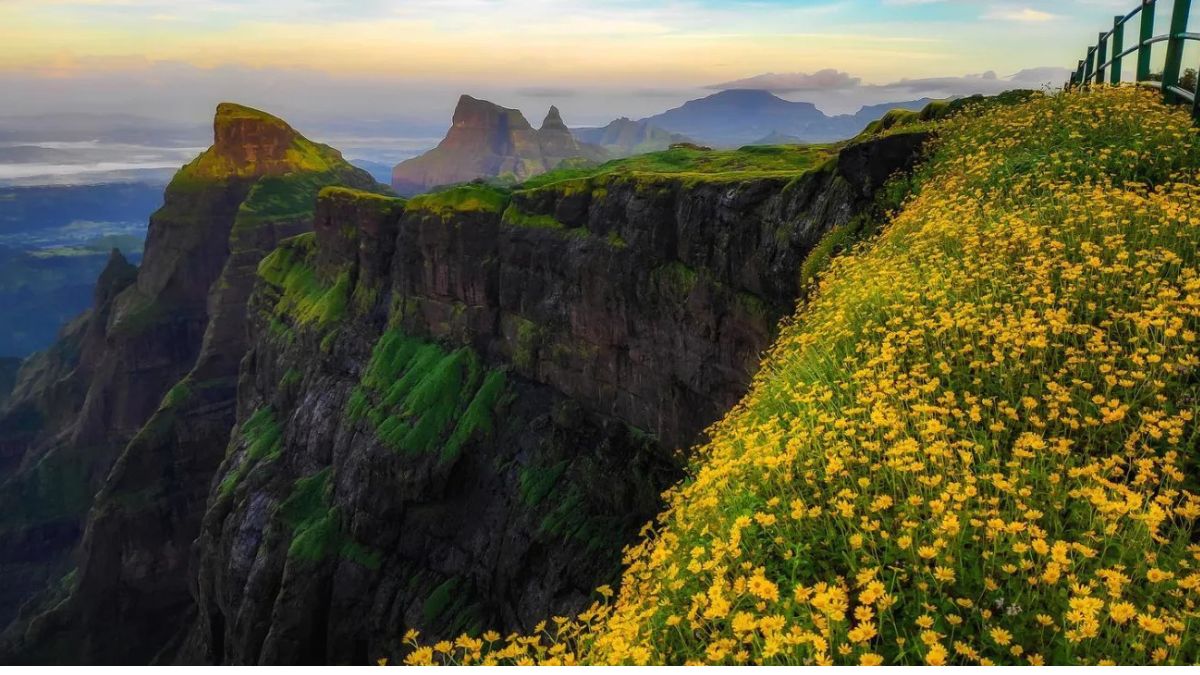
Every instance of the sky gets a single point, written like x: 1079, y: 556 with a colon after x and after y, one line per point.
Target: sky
x: 405, y: 61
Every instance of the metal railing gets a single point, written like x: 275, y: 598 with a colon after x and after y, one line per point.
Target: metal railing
x: 1105, y: 60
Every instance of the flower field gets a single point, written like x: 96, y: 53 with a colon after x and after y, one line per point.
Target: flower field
x: 974, y: 444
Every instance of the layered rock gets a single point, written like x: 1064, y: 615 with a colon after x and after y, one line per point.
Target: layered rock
x: 151, y: 370
x: 489, y: 141
x: 469, y: 407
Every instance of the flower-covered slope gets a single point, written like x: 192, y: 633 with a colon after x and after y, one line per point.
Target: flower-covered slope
x: 974, y: 444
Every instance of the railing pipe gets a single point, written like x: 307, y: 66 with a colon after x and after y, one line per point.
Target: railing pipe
x: 1171, y: 70
x: 1147, y: 32
x: 1101, y: 56
x: 1118, y: 45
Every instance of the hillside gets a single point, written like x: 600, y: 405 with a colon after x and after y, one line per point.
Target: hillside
x: 972, y: 445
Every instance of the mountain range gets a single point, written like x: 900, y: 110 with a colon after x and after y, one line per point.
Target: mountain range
x: 488, y: 141
x: 747, y: 116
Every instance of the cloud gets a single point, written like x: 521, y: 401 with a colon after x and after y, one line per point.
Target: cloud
x: 821, y: 80
x: 1022, y: 14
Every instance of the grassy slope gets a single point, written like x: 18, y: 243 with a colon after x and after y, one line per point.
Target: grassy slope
x: 972, y: 446
x: 749, y: 162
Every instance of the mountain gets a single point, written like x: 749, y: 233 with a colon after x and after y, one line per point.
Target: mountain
x: 488, y: 141
x: 318, y: 416
x: 741, y: 116
x: 624, y: 137
x: 749, y: 117
x: 109, y: 438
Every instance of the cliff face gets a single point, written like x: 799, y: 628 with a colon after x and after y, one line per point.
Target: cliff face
x: 488, y: 141
x: 151, y: 370
x: 455, y: 410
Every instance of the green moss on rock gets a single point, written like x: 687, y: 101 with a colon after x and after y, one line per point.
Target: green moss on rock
x: 421, y: 398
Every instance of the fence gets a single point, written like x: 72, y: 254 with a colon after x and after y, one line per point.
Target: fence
x: 1111, y: 46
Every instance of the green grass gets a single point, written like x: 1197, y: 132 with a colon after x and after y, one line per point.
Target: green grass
x: 421, y: 398
x: 262, y: 437
x: 315, y: 526
x: 307, y: 512
x: 516, y: 217
x: 701, y: 165
x: 536, y: 482
x: 303, y: 295
x: 468, y: 198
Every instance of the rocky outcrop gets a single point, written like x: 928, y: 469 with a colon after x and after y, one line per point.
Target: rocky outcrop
x: 471, y: 407
x: 488, y: 141
x: 151, y: 370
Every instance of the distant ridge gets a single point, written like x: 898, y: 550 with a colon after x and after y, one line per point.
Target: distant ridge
x: 748, y: 116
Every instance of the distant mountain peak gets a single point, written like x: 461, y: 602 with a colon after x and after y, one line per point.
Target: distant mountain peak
x: 487, y: 140
x: 553, y: 120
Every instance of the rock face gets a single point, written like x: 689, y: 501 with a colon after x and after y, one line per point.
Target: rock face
x: 488, y: 141
x: 466, y: 413
x: 151, y: 371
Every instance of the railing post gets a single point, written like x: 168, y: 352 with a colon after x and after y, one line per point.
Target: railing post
x: 1079, y: 73
x: 1118, y: 46
x: 1101, y: 57
x: 1147, y: 32
x: 1179, y: 25
x: 1090, y: 66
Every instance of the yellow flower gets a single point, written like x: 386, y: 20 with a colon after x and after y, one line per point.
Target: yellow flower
x: 1000, y: 636
x: 763, y: 588
x: 1156, y: 575
x: 936, y: 656
x: 862, y: 632
x: 422, y: 656
x: 870, y: 660
x: 1122, y: 612
x: 943, y: 574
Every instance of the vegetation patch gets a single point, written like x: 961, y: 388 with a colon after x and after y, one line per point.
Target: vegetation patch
x: 467, y: 198
x: 516, y: 217
x: 421, y: 398
x: 315, y: 526
x: 262, y: 438
x: 695, y: 164
x: 304, y: 296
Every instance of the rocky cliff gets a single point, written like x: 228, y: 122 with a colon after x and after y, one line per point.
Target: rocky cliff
x: 113, y: 434
x: 488, y: 141
x: 456, y: 409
